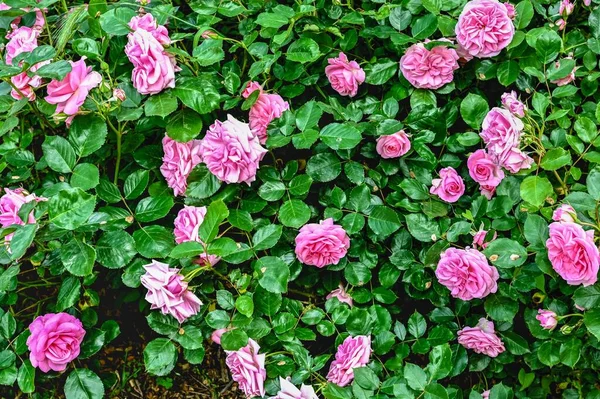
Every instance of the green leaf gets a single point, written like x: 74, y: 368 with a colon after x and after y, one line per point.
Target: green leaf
x: 508, y: 72
x: 184, y: 125
x: 234, y: 339
x: 536, y: 231
x: 473, y: 110
x: 556, y: 158
x: 570, y: 352
x: 440, y: 362
x: 308, y: 115
x: 548, y: 46
x: 187, y: 249
x: 68, y: 294
x: 383, y: 220
x: 586, y: 129
x: 153, y: 208
x: 323, y: 167
x: 591, y: 319
x: 26, y: 377
x: 217, y: 212
x: 506, y: 253
x: 240, y: 219
x: 415, y: 376
x: 78, y: 257
x: 70, y: 208
x: 85, y: 176
x: 21, y: 240
x: 500, y: 391
x: 274, y: 274
x: 83, y: 384
x: 421, y: 227
x: 115, y: 249
x: 594, y: 22
x: 501, y: 308
x: 380, y: 72
x: 303, y: 50
x: 162, y: 104
x: 424, y: 26
x: 201, y: 183
x: 135, y: 184
x: 160, y: 356
x: 245, y: 305
x: 59, y: 154
x: 417, y: 326
x: 266, y: 237
x: 340, y: 136
x: 535, y: 190
x: 154, y: 241
x: 116, y: 21
x: 209, y: 52
x: 198, y: 94
x: 587, y: 297
x: 189, y: 337
x: 8, y: 325
x: 272, y: 20
x: 294, y: 213
x: 56, y: 70
x: 108, y: 191
x: 366, y: 378
x: 271, y: 190
x: 524, y: 14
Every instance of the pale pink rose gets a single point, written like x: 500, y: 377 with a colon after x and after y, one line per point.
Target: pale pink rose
x: 580, y: 308
x: 266, y: 108
x: 22, y: 40
x: 178, y: 162
x: 54, y: 341
x: 547, y: 319
x: 187, y: 223
x: 573, y: 254
x: 485, y: 394
x: 484, y: 28
x: 481, y: 339
x: 587, y: 3
x: 510, y: 10
x: 70, y: 93
x: 345, y: 76
x: 149, y: 24
x: 341, y: 294
x: 25, y: 85
x: 207, y: 260
x: 500, y: 131
x: 512, y: 103
x: 514, y: 160
x: 484, y: 170
x: 287, y: 390
x: 321, y: 244
x: 561, y: 24
x: 487, y: 191
x: 247, y: 368
x: 567, y: 79
x: 217, y: 334
x: 429, y: 69
x: 231, y: 151
x: 353, y: 353
x: 393, y: 145
x: 10, y: 204
x: 479, y: 239
x: 250, y: 88
x: 564, y: 213
x: 449, y: 187
x: 566, y: 8
x: 119, y: 94
x: 463, y: 53
x: 153, y: 69
x: 168, y: 291
x: 466, y: 273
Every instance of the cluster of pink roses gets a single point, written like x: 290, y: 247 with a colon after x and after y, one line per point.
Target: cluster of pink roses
x: 266, y: 108
x: 153, y: 69
x: 10, y: 205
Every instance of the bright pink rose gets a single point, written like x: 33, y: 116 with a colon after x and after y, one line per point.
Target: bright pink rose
x: 512, y: 103
x: 463, y: 53
x: 178, y: 162
x: 321, y: 244
x: 394, y: 145
x: 70, y: 93
x: 25, y: 85
x: 466, y: 273
x: 429, y: 69
x: 510, y: 10
x: 187, y: 223
x: 500, y: 131
x: 168, y: 291
x: 450, y: 187
x: 231, y: 151
x: 250, y: 88
x: 353, y: 353
x: 149, y: 24
x: 564, y: 213
x: 153, y: 69
x: 479, y: 239
x: 561, y: 24
x: 547, y: 319
x: 484, y: 170
x: 481, y: 339
x: 248, y: 369
x: 22, y: 40
x: 341, y: 294
x: 266, y: 108
x: 54, y: 341
x: 287, y: 390
x: 566, y: 8
x: 573, y: 254
x: 345, y: 76
x: 484, y: 28
x: 567, y: 79
x: 11, y: 203
x: 514, y: 160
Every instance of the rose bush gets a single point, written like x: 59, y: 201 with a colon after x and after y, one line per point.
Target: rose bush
x: 374, y: 199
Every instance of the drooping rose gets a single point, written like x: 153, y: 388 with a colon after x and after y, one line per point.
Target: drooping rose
x: 510, y: 10
x: 467, y: 274
x: 481, y: 339
x: 429, y: 69
x: 247, y: 368
x: 484, y: 28
x: 484, y: 170
x: 266, y: 108
x: 149, y: 24
x: 547, y: 319
x: 178, y: 161
x: 341, y: 294
x: 511, y: 102
x: 393, y: 145
x: 70, y: 93
x: 321, y: 244
x: 231, y: 151
x: 449, y: 187
x: 187, y: 223
x: 564, y: 213
x: 287, y: 390
x: 22, y: 40
x: 479, y: 239
x: 168, y: 291
x: 54, y: 341
x: 573, y: 253
x: 345, y: 76
x: 353, y: 353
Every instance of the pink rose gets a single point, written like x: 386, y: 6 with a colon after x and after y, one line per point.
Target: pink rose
x: 119, y: 94
x: 341, y: 294
x: 481, y: 339
x: 178, y: 162
x: 287, y: 390
x: 248, y: 369
x: 511, y: 102
x: 24, y: 85
x: 567, y: 79
x: 466, y: 273
x: 345, y: 76
x: 485, y: 394
x: 187, y: 223
x: 394, y: 145
x: 231, y: 151
x: 484, y: 28
x: 207, y: 260
x: 587, y: 3
x: 564, y: 213
x: 450, y: 187
x: 353, y: 353
x: 514, y: 160
x: 573, y: 254
x: 217, y: 334
x: 321, y: 244
x: 70, y: 93
x: 463, y: 53
x: 566, y: 8
x: 484, y: 170
x: 266, y: 108
x: 54, y: 341
x: 168, y: 291
x: 38, y: 23
x: 153, y: 69
x: 487, y: 191
x: 429, y: 69
x: 547, y: 319
x: 250, y: 88
x: 510, y: 10
x: 22, y: 40
x: 479, y: 239
x: 149, y: 24
x: 500, y: 131
x: 561, y: 24
x: 10, y: 204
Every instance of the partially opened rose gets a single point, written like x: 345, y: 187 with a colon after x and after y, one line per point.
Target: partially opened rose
x: 341, y: 295
x: 289, y: 391
x: 187, y: 223
x: 266, y: 108
x: 178, y: 162
x: 353, y: 353
x: 247, y: 368
x: 481, y: 339
x: 345, y: 76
